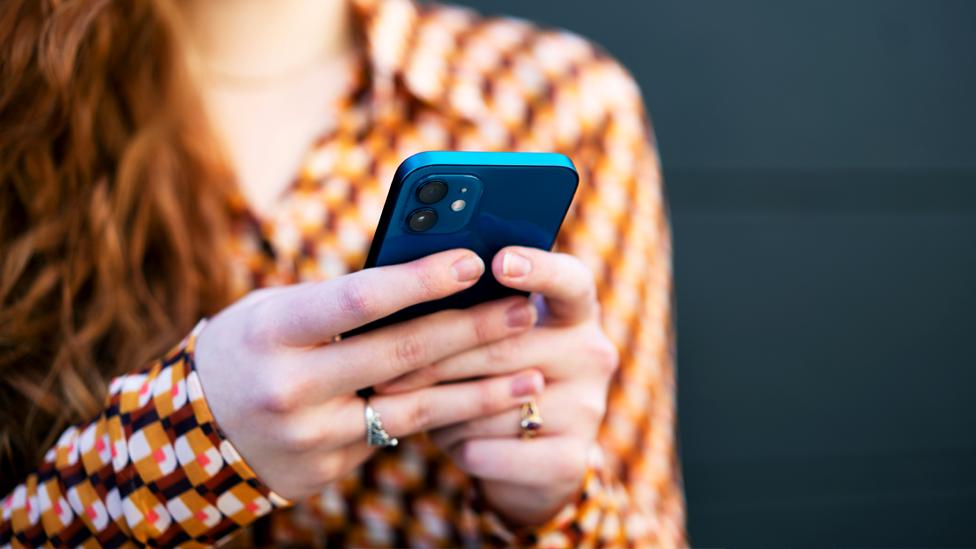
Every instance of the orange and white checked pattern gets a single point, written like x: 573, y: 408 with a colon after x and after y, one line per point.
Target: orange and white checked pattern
x: 148, y: 470
x: 155, y: 469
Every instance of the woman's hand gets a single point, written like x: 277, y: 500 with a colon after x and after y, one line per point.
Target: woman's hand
x: 527, y: 481
x: 285, y: 399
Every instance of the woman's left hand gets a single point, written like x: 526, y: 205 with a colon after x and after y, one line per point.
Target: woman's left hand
x: 528, y: 480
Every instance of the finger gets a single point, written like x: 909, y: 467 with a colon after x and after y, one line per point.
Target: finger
x: 332, y: 464
x: 390, y: 352
x: 312, y: 313
x: 341, y: 421
x: 565, y: 410
x: 565, y: 282
x: 433, y: 407
x: 528, y: 349
x: 536, y: 462
x: 559, y: 352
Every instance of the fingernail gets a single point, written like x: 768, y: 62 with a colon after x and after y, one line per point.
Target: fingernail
x: 520, y: 315
x: 527, y: 384
x: 515, y: 265
x: 468, y: 268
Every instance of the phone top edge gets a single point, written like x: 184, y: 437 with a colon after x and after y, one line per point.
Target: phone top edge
x: 483, y: 158
x: 461, y: 158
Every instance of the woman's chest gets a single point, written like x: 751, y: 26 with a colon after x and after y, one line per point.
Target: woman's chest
x: 321, y: 224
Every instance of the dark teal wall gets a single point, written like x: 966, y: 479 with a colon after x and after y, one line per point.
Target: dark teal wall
x: 820, y: 158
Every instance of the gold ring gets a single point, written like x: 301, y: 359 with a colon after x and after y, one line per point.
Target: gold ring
x: 531, y: 420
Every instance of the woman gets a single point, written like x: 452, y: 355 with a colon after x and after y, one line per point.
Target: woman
x: 167, y: 162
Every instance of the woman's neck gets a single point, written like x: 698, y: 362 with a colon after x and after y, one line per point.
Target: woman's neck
x: 260, y: 39
x: 269, y: 73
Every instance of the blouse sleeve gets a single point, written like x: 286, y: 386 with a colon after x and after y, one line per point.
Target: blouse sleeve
x: 152, y: 468
x: 631, y: 495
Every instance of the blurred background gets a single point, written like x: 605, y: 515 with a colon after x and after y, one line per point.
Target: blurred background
x: 820, y: 159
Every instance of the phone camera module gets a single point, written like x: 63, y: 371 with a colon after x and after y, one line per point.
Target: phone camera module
x: 432, y: 191
x: 422, y: 219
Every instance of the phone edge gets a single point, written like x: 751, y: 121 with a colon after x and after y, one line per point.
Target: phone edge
x: 460, y: 158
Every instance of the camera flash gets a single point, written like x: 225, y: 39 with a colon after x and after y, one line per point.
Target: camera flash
x: 458, y: 205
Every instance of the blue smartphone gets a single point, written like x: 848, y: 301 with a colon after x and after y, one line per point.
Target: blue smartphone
x: 482, y: 201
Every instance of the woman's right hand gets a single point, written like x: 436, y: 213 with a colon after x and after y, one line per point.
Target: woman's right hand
x: 284, y: 396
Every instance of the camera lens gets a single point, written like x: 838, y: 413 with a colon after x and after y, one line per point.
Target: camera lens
x: 431, y: 191
x: 422, y: 219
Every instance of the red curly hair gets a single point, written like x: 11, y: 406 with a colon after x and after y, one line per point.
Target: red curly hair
x: 113, y: 209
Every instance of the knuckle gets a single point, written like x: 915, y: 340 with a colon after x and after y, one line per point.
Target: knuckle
x: 587, y: 280
x: 296, y: 435
x: 279, y: 395
x: 573, y: 268
x: 257, y: 326
x: 605, y: 354
x: 587, y: 291
x: 407, y: 350
x: 486, y: 400
x: 427, y: 282
x: 577, y: 265
x: 502, y: 350
x: 356, y: 300
x: 420, y: 414
x: 483, y: 328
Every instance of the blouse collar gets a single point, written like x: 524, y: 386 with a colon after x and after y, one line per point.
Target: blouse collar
x: 413, y: 49
x: 386, y: 28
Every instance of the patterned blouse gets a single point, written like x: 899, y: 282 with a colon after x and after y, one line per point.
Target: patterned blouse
x: 155, y: 469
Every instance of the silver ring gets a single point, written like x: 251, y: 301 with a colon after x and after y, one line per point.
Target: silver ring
x: 376, y: 435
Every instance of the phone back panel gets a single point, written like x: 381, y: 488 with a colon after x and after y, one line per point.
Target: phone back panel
x: 509, y: 199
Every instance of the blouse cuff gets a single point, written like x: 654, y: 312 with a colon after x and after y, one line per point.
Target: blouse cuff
x: 153, y: 469
x: 213, y: 492
x: 204, y: 417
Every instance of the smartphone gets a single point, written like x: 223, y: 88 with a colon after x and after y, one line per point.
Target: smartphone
x: 482, y: 201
